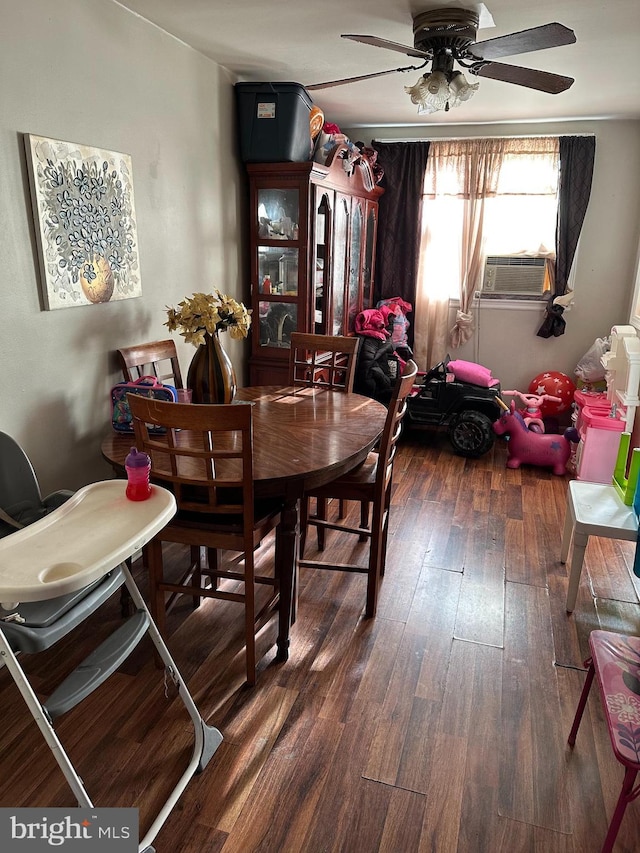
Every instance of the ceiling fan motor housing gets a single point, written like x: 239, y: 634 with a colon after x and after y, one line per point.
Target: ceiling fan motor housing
x: 449, y: 30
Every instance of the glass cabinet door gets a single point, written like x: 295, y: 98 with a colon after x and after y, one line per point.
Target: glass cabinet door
x: 355, y: 250
x: 367, y: 269
x: 277, y: 270
x: 340, y: 255
x: 276, y: 322
x: 278, y: 214
x: 320, y: 283
x: 278, y: 273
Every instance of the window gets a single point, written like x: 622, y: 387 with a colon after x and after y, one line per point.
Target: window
x: 483, y: 197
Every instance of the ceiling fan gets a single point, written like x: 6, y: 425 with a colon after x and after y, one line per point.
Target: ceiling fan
x: 447, y: 36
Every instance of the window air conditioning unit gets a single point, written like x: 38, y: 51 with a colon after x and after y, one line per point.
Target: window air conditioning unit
x: 513, y: 275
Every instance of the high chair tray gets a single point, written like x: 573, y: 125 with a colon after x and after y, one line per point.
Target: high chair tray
x: 78, y: 543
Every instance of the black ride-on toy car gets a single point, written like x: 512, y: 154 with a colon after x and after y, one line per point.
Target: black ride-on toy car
x: 465, y: 410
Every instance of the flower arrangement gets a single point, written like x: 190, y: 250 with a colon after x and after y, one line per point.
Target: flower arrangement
x: 207, y: 313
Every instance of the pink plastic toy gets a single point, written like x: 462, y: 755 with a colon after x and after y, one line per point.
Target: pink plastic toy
x: 532, y: 413
x: 533, y: 448
x: 558, y: 384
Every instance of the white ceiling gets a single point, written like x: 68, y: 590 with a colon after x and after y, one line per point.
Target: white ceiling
x: 299, y: 41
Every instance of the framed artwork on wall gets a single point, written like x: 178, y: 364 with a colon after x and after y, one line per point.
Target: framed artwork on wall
x: 85, y: 222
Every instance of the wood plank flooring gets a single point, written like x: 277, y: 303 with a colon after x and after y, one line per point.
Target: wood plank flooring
x: 439, y: 726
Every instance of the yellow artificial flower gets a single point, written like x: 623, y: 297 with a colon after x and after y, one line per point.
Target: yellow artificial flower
x: 208, y: 313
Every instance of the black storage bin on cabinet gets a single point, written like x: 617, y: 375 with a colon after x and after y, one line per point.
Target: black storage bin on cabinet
x: 273, y: 122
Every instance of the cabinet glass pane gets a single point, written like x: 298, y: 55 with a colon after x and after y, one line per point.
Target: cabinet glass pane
x: 277, y: 321
x: 368, y: 261
x: 321, y: 266
x: 354, y: 265
x: 278, y: 270
x: 340, y: 232
x: 278, y: 214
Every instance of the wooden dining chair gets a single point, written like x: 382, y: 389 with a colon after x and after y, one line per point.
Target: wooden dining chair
x: 370, y: 484
x: 206, y: 459
x: 323, y: 361
x: 156, y: 358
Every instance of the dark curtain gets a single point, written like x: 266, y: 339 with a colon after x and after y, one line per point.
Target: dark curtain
x: 577, y: 154
x: 398, y: 242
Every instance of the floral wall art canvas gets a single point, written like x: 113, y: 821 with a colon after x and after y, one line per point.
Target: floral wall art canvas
x: 85, y: 222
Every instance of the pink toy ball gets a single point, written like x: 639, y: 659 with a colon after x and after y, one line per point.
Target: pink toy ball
x: 556, y: 385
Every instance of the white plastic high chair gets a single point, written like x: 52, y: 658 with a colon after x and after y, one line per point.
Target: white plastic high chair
x: 53, y: 575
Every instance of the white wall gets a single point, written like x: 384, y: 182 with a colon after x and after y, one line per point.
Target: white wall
x: 89, y: 71
x: 506, y: 341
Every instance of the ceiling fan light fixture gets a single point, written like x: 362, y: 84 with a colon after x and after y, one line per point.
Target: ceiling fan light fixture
x: 460, y: 90
x: 437, y: 84
x: 440, y: 91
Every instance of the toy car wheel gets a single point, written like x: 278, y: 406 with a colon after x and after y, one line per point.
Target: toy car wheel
x: 471, y: 434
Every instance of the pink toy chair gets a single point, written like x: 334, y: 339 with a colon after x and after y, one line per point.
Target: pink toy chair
x: 615, y: 661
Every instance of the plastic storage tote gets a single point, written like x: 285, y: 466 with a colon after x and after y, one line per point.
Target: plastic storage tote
x: 273, y: 121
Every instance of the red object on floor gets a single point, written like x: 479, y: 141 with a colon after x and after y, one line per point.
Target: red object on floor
x: 557, y: 385
x: 615, y: 661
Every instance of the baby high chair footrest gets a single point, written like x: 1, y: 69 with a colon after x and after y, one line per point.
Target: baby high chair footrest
x: 98, y: 666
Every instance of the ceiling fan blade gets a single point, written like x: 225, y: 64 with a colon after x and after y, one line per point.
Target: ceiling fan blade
x: 390, y: 45
x: 361, y: 77
x: 529, y: 77
x: 537, y: 38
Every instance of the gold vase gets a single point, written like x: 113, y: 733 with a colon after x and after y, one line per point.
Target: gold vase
x: 96, y: 280
x: 211, y: 375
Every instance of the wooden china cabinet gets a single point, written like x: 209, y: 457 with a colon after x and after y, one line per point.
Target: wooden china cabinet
x: 313, y: 237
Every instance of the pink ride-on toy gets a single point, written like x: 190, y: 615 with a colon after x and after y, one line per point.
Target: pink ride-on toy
x: 532, y: 413
x: 533, y: 448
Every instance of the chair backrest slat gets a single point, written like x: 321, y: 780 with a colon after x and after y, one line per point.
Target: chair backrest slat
x: 157, y: 358
x: 323, y: 361
x: 205, y: 456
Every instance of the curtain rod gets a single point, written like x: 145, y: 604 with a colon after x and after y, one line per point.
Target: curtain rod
x: 463, y: 138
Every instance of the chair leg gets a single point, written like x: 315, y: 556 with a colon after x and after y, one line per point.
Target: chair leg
x: 364, y: 519
x: 582, y: 703
x: 196, y: 577
x: 250, y: 617
x: 321, y: 512
x: 213, y: 564
x: 567, y: 535
x: 155, y: 573
x: 580, y: 541
x: 376, y: 561
x: 303, y: 523
x: 127, y: 607
x: 626, y: 795
x: 156, y: 595
x: 385, y: 536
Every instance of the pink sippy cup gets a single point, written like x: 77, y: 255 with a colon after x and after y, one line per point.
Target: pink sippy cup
x: 138, y: 468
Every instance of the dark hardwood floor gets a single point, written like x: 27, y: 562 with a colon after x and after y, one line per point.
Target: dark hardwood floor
x: 439, y: 726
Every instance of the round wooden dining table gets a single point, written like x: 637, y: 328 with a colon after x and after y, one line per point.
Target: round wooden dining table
x: 302, y: 438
